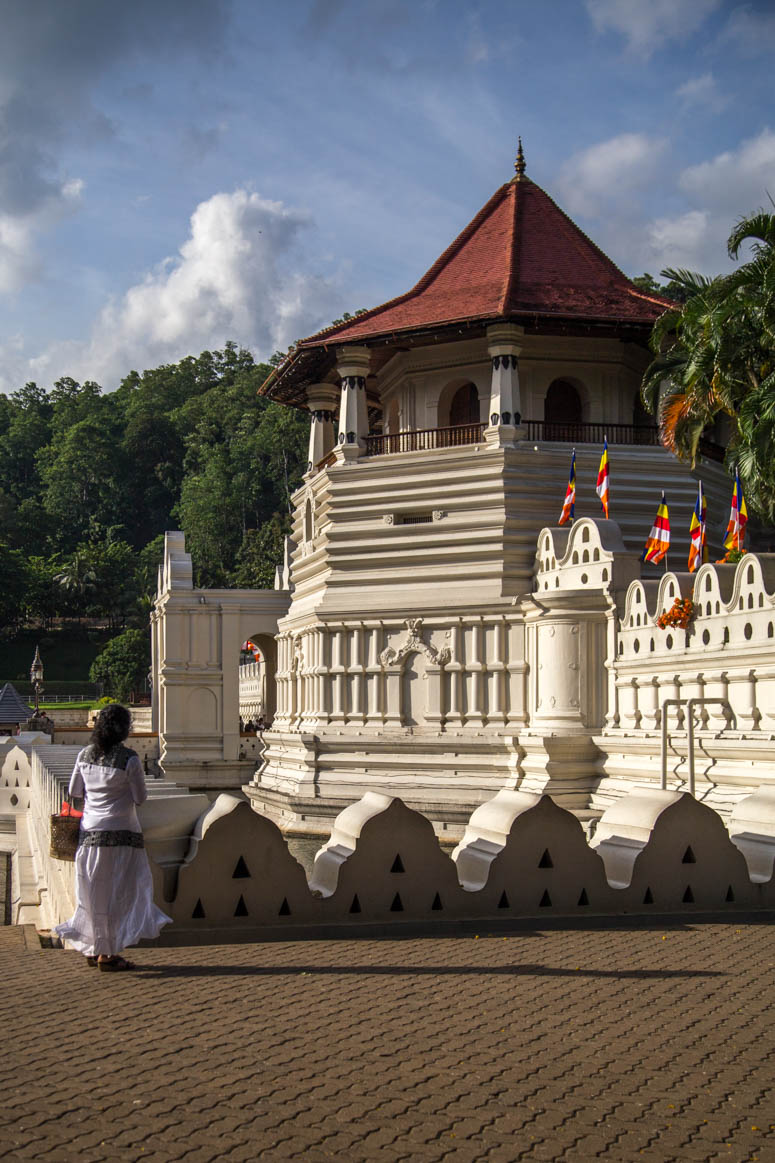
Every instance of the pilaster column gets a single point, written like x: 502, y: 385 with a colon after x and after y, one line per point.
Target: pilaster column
x: 475, y: 670
x: 337, y: 677
x: 357, y: 677
x: 648, y: 703
x: 374, y: 676
x: 353, y: 367
x: 321, y: 401
x: 496, y: 711
x: 454, y: 669
x: 504, y: 343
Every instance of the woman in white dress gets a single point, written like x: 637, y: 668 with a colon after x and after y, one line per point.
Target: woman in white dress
x: 113, y: 883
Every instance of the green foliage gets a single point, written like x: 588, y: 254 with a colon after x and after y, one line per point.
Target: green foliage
x: 260, y: 553
x: 670, y: 290
x: 90, y: 481
x: 715, y: 356
x: 122, y: 666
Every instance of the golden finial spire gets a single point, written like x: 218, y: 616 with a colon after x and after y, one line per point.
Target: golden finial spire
x: 519, y: 164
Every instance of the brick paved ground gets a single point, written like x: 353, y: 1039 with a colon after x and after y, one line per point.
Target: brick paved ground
x: 613, y: 1044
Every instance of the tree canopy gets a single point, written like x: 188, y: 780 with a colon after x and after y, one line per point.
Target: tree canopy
x: 714, y: 357
x: 90, y: 481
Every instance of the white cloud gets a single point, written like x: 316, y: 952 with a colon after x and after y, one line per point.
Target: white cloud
x: 608, y: 172
x: 703, y: 92
x: 237, y: 276
x: 679, y: 242
x: 646, y: 24
x: 19, y: 259
x: 735, y: 182
x: 52, y: 55
x: 750, y: 32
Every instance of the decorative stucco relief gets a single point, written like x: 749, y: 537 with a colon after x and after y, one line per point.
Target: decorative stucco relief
x: 414, y: 644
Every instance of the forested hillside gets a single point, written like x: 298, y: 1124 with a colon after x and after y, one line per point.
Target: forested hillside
x: 89, y: 481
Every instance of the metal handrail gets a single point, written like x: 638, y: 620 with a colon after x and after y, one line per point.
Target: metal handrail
x: 690, y: 704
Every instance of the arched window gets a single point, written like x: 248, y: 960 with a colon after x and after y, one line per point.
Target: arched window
x: 642, y: 421
x: 393, y: 421
x: 464, y: 406
x: 562, y: 411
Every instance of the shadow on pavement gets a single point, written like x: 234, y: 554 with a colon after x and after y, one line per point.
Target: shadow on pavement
x: 417, y: 971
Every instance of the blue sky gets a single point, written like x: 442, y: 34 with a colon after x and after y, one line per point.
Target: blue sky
x: 176, y: 173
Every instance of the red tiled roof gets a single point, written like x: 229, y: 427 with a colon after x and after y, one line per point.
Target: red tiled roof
x: 520, y: 255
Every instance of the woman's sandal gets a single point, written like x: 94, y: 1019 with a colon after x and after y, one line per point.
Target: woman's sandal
x: 115, y: 964
x: 93, y: 961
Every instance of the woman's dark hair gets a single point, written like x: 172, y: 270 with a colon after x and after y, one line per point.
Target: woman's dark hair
x: 111, y: 727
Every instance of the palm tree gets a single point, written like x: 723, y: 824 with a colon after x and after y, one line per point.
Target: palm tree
x: 715, y: 354
x: 77, y: 579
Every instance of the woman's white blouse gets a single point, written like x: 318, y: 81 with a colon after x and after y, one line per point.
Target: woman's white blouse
x: 111, y: 794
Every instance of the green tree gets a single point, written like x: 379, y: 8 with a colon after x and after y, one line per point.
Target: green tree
x: 81, y: 474
x: 715, y: 355
x: 27, y: 431
x: 260, y: 554
x: 43, y: 598
x: 13, y: 579
x: 122, y: 667
x: 77, y: 581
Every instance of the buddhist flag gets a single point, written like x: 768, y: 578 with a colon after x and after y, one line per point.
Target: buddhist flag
x: 249, y: 647
x: 569, y: 504
x: 698, y: 551
x: 738, y: 517
x: 659, y: 537
x: 602, y: 478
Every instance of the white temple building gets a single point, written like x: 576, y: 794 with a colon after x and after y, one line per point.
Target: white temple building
x: 434, y: 634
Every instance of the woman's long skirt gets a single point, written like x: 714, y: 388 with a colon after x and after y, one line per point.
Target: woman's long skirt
x: 114, y: 897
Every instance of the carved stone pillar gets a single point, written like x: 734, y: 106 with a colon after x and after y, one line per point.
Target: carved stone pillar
x: 454, y: 670
x: 353, y: 367
x: 475, y: 677
x: 357, y: 677
x: 504, y: 343
x: 337, y: 677
x: 374, y: 677
x: 742, y: 695
x: 321, y: 401
x: 717, y: 687
x: 496, y: 665
x: 648, y: 703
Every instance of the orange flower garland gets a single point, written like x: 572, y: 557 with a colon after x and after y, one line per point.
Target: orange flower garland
x: 679, y: 615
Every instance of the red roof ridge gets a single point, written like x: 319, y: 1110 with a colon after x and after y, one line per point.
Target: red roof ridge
x: 427, y: 279
x: 520, y: 256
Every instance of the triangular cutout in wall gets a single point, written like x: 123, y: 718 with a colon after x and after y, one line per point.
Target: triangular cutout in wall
x: 355, y: 907
x: 688, y: 857
x: 546, y: 860
x: 285, y: 908
x: 396, y: 906
x: 437, y: 903
x: 583, y: 899
x: 198, y: 912
x: 241, y: 909
x: 688, y: 896
x: 241, y: 870
x: 730, y: 895
x: 503, y: 903
x: 545, y: 901
x: 398, y: 864
x: 648, y: 899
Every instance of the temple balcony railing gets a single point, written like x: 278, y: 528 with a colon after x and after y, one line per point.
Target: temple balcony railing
x: 427, y: 439
x: 424, y: 439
